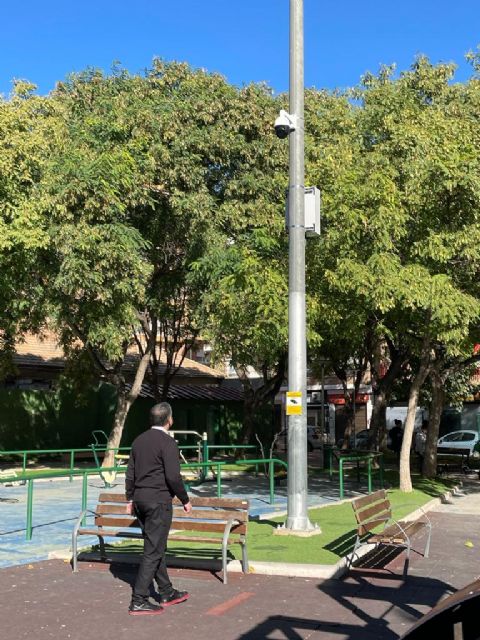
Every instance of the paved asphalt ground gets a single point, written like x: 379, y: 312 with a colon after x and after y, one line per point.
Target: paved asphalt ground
x: 45, y: 600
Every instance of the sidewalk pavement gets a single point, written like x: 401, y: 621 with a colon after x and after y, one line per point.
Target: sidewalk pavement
x: 45, y: 600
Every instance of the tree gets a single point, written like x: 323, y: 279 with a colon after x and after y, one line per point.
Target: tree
x: 25, y: 123
x: 245, y: 310
x: 244, y: 273
x: 141, y: 183
x: 450, y: 382
x: 403, y: 212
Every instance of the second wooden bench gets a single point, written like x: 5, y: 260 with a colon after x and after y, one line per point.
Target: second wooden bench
x: 375, y: 524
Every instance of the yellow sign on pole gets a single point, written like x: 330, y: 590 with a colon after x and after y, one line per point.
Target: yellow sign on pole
x: 294, y: 403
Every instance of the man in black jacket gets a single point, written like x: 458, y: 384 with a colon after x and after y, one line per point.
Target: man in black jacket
x: 153, y: 479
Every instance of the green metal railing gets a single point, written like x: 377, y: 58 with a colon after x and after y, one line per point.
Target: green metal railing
x: 84, y: 473
x: 97, y: 449
x: 92, y: 449
x: 365, y: 459
x: 30, y: 479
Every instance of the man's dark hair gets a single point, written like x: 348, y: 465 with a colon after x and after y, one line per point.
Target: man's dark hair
x: 398, y: 422
x: 159, y: 414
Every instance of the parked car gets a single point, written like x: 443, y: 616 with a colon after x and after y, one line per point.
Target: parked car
x: 459, y: 441
x: 361, y: 440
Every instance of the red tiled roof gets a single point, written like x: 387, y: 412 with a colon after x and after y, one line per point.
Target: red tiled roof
x: 44, y: 351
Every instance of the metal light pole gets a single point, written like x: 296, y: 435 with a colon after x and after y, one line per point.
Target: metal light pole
x: 297, y: 512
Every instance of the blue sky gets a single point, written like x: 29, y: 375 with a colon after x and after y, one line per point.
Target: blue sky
x: 245, y: 40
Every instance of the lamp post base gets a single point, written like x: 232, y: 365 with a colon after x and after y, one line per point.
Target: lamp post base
x: 307, y: 532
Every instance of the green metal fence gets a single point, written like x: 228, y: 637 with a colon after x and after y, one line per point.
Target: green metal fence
x: 72, y: 454
x: 84, y: 473
x: 362, y: 460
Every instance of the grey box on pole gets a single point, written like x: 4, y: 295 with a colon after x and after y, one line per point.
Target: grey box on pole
x: 313, y: 203
x: 312, y: 212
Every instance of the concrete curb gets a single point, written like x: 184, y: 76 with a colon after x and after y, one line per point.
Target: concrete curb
x: 292, y: 570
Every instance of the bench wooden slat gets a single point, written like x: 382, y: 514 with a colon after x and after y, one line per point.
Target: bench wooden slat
x: 111, y: 509
x: 376, y: 511
x: 217, y: 540
x: 377, y: 496
x: 116, y: 533
x: 366, y: 527
x: 112, y: 497
x: 382, y: 539
x: 105, y: 521
x: 210, y: 514
x: 227, y: 503
x: 218, y: 527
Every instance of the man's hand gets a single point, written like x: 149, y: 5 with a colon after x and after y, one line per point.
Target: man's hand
x: 129, y: 508
x: 187, y: 507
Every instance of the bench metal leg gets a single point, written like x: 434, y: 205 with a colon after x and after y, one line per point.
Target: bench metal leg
x: 226, y: 534
x: 74, y: 551
x: 244, y: 557
x: 352, y: 555
x: 427, y: 546
x: 103, y: 555
x: 76, y: 527
x: 224, y: 564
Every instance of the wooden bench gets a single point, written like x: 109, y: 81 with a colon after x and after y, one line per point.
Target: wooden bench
x: 444, y: 467
x: 225, y: 517
x: 374, y: 511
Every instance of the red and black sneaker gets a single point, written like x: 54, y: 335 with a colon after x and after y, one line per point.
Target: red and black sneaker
x: 173, y: 597
x: 144, y: 608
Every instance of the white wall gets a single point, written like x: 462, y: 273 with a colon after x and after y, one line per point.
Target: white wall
x: 400, y: 413
x: 471, y: 416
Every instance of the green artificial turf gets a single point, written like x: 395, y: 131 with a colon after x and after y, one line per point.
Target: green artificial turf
x: 336, y: 540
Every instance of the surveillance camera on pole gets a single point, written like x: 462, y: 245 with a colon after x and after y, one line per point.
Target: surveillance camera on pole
x: 285, y: 124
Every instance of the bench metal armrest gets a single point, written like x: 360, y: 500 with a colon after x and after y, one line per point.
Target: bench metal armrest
x: 76, y: 527
x: 78, y: 521
x: 424, y: 513
x: 397, y: 524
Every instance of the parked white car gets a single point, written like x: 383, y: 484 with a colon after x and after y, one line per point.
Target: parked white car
x: 461, y: 441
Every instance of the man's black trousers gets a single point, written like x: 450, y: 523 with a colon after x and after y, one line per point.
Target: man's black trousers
x: 155, y: 521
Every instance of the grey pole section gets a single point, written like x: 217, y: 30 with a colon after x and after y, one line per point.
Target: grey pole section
x: 297, y: 512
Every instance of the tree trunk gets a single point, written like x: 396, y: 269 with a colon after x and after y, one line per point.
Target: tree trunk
x: 255, y: 399
x: 115, y: 437
x: 349, y: 423
x: 249, y: 409
x: 383, y: 387
x: 429, y: 468
x: 378, y: 423
x: 124, y: 402
x: 417, y: 382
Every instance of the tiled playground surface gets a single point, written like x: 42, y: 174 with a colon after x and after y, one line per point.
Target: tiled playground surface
x: 57, y: 504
